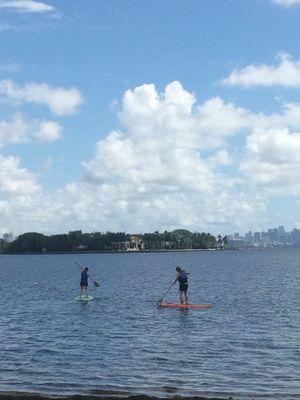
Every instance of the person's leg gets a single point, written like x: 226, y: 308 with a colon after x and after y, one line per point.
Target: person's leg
x: 181, y: 293
x: 185, y: 297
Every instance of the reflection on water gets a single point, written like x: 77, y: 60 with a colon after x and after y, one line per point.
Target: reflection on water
x: 121, y: 343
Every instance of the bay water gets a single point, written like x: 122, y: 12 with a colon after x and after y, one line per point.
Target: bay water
x: 246, y: 345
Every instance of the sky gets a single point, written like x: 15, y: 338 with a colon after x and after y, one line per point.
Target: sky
x: 137, y: 116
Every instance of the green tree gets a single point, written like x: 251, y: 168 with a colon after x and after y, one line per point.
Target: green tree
x: 30, y: 242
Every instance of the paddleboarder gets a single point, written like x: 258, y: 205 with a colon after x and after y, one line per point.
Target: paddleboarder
x: 84, y: 281
x: 182, y: 278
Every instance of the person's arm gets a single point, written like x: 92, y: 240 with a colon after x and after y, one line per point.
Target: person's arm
x: 176, y: 279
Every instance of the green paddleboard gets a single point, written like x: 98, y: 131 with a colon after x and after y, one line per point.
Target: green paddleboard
x: 84, y: 297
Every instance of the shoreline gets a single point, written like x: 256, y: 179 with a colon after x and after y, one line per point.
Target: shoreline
x: 112, y: 395
x: 96, y: 396
x: 107, y: 252
x: 144, y: 251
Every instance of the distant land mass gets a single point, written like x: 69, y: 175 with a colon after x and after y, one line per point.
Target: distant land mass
x: 77, y: 241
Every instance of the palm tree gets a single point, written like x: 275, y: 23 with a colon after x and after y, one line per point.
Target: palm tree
x: 220, y: 241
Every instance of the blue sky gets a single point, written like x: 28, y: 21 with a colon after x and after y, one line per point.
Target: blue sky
x: 140, y: 116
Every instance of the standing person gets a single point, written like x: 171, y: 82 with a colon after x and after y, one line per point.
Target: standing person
x: 84, y: 281
x: 182, y: 278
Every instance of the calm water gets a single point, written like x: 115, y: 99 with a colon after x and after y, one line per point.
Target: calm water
x: 246, y: 345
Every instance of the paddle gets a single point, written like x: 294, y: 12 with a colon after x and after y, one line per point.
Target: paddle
x: 97, y: 284
x: 161, y: 299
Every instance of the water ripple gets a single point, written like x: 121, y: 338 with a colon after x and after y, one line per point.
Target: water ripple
x: 121, y: 343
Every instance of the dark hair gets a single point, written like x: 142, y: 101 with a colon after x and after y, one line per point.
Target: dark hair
x: 178, y: 269
x: 86, y: 269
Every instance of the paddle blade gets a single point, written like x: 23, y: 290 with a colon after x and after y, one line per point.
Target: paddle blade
x: 96, y: 284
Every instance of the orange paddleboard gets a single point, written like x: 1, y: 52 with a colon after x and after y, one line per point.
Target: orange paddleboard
x: 178, y: 305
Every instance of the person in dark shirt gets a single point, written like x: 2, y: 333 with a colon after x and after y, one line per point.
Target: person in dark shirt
x: 182, y: 278
x: 84, y: 281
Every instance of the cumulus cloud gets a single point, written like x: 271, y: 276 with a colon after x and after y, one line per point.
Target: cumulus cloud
x: 169, y: 160
x: 285, y: 74
x: 20, y: 130
x: 289, y: 117
x: 174, y: 163
x: 47, y: 131
x: 162, y: 142
x: 156, y: 172
x: 61, y: 101
x: 286, y: 3
x: 14, y: 180
x: 26, y: 6
x: 122, y: 206
x: 221, y: 157
x: 272, y: 160
x: 174, y: 115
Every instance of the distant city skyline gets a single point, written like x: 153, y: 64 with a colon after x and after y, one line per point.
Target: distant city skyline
x: 142, y: 116
x: 271, y: 237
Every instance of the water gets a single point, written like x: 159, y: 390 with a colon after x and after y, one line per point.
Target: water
x: 121, y: 343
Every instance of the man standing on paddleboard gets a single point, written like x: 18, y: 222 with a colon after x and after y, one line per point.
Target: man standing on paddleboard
x: 84, y: 281
x: 182, y: 278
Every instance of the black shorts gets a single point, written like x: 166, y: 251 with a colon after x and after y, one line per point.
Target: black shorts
x: 183, y: 287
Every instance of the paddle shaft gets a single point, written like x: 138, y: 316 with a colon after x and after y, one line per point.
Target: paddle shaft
x: 167, y: 291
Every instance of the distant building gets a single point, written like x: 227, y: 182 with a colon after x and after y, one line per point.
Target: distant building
x: 288, y: 239
x: 136, y: 243
x: 274, y: 237
x: 295, y: 237
x: 256, y: 238
x: 249, y: 241
x: 236, y: 243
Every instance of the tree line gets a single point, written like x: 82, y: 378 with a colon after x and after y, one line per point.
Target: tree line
x: 77, y: 241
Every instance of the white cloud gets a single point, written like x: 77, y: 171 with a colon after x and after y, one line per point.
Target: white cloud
x: 14, y: 180
x: 217, y: 121
x: 20, y: 130
x: 288, y: 118
x: 166, y: 166
x: 173, y: 163
x: 272, y: 160
x: 154, y: 173
x: 26, y: 6
x: 61, y: 101
x: 174, y: 115
x: 48, y: 131
x: 286, y: 3
x: 285, y: 74
x: 221, y: 157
